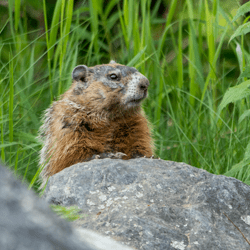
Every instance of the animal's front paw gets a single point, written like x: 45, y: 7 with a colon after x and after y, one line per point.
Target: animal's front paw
x: 93, y: 157
x: 151, y: 157
x: 117, y: 155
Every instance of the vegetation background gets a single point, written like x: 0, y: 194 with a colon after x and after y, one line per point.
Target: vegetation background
x: 183, y: 47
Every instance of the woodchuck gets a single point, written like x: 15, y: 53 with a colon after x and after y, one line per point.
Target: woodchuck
x: 99, y: 116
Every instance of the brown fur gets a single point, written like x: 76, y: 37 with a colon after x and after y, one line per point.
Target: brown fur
x: 79, y: 126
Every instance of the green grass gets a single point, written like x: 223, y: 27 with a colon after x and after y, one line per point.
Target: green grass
x: 70, y: 213
x: 186, y: 55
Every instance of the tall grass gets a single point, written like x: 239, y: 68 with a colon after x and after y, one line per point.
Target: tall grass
x: 185, y: 54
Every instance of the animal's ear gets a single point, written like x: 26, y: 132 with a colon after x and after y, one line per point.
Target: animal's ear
x: 80, y: 73
x: 112, y: 61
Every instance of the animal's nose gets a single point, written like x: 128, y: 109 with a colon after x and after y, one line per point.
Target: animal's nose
x: 143, y: 85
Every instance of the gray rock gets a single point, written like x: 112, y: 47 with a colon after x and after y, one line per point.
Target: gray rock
x: 27, y: 223
x: 154, y: 204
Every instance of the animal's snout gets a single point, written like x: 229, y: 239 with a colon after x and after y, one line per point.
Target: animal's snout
x: 143, y: 84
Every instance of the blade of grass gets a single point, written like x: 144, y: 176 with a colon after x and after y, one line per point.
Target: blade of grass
x: 47, y: 42
x: 200, y: 26
x: 122, y: 23
x: 136, y: 34
x: 2, y: 129
x: 241, y: 11
x: 17, y: 13
x: 26, y: 169
x: 170, y: 15
x: 16, y: 160
x: 4, y: 26
x: 191, y: 70
x: 64, y: 38
x: 130, y: 17
x: 69, y: 14
x: 143, y: 31
x: 136, y: 58
x: 51, y: 38
x: 11, y: 5
x: 94, y: 6
x: 54, y: 29
x: 60, y: 48
x: 210, y: 37
x: 160, y: 95
x: 35, y: 178
x: 180, y: 54
x: 218, y: 51
x: 11, y: 101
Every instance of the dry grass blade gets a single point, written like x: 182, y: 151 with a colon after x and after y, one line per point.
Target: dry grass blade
x: 238, y: 229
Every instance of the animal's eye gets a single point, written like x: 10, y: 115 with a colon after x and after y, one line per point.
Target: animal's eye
x: 113, y: 76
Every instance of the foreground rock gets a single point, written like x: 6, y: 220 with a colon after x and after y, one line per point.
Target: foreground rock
x: 156, y: 205
x: 27, y: 223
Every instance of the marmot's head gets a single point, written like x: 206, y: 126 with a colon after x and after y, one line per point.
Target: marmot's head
x: 109, y: 86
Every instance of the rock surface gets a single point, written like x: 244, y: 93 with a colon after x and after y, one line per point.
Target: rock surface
x: 27, y: 223
x: 156, y: 205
